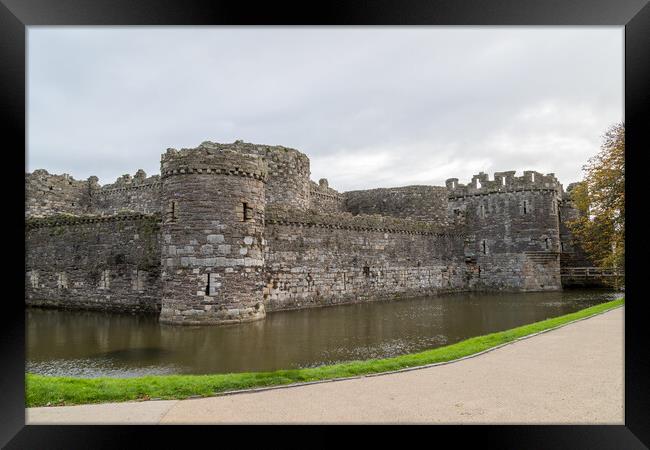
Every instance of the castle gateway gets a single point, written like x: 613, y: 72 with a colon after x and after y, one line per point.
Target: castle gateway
x: 228, y: 232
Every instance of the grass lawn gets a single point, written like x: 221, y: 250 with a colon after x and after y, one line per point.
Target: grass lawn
x: 54, y: 391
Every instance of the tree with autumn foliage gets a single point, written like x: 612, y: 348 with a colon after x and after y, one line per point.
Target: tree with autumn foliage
x: 600, y: 199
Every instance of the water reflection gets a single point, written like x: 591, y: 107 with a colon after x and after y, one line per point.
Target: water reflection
x: 93, y: 344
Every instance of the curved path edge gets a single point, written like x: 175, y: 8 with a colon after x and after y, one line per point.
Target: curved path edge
x: 405, y: 369
x: 584, y: 347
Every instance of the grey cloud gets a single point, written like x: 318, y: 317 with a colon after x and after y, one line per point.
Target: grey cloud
x: 380, y: 106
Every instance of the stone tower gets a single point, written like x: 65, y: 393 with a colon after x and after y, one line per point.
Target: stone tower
x: 213, y: 202
x: 513, y: 226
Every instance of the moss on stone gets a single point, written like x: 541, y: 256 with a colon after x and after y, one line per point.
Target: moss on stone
x: 345, y: 220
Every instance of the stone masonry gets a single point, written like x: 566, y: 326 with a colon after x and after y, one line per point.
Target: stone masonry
x: 229, y: 232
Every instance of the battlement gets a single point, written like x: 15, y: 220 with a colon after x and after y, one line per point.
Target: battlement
x: 322, y: 189
x: 503, y: 182
x: 127, y: 181
x: 273, y: 152
x: 213, y: 158
x: 47, y: 194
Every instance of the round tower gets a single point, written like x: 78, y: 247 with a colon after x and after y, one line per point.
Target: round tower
x: 213, y: 203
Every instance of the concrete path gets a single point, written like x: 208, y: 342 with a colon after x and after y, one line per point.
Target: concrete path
x: 573, y: 375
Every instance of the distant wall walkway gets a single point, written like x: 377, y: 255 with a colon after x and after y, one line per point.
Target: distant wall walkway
x: 572, y: 375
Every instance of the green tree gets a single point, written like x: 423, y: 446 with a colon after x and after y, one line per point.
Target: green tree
x: 600, y: 199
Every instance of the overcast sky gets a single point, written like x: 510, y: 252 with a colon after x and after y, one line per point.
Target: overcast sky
x: 371, y: 107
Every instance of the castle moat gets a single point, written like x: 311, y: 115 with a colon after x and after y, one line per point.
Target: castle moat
x: 93, y: 344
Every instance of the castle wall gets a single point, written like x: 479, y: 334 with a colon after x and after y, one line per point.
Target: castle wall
x: 137, y: 193
x: 425, y: 203
x: 47, y: 194
x: 316, y: 260
x: 90, y: 262
x: 229, y: 231
x: 288, y: 176
x: 212, y: 238
x: 287, y: 171
x: 513, y: 224
x: 325, y: 199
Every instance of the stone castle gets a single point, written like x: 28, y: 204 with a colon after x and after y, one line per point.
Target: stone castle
x: 229, y: 232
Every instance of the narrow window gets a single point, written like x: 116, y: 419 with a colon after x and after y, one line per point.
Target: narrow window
x: 525, y: 207
x: 546, y: 243
x: 484, y: 247
x: 482, y: 211
x: 532, y: 177
x: 171, y: 211
x: 366, y: 271
x: 248, y: 211
x: 207, y: 285
x: 562, y: 246
x: 503, y: 180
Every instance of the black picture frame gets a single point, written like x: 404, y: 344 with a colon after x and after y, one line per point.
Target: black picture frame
x: 16, y: 15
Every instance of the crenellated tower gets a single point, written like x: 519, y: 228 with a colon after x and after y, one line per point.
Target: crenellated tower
x: 513, y: 227
x: 213, y: 201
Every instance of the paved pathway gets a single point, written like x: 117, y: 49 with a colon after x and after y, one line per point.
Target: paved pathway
x: 573, y: 375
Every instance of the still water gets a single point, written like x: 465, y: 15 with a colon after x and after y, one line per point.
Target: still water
x: 92, y: 344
